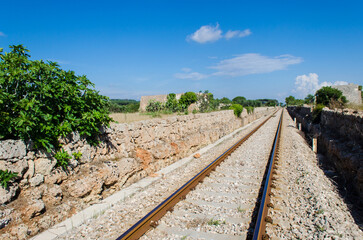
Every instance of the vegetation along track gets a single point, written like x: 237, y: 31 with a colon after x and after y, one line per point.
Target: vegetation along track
x: 225, y: 204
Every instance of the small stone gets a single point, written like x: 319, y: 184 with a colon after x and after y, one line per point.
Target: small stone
x: 35, y: 209
x: 197, y: 155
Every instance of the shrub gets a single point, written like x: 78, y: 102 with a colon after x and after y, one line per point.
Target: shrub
x: 188, y: 98
x: 172, y: 103
x: 326, y: 94
x: 250, y: 109
x: 317, y: 113
x: 154, y: 106
x: 5, y: 177
x: 62, y: 159
x: 237, y: 109
x: 41, y: 102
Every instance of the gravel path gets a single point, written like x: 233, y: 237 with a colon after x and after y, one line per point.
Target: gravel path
x: 221, y: 207
x: 307, y: 205
x: 116, y: 220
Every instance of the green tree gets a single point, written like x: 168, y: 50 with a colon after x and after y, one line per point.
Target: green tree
x: 225, y: 100
x: 239, y: 100
x: 188, y: 98
x: 41, y: 102
x: 326, y: 95
x: 309, y: 99
x: 290, y: 100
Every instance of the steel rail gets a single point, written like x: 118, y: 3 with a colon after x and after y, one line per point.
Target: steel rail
x: 260, y: 227
x: 150, y: 219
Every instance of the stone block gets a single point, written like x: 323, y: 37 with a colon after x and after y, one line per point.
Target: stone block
x: 44, y: 166
x: 12, y: 149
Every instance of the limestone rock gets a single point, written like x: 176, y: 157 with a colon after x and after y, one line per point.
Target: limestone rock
x: 5, y: 217
x: 54, y: 195
x: 36, y: 208
x: 57, y: 176
x: 86, y: 154
x: 144, y: 156
x: 6, y: 195
x: 21, y: 231
x: 36, y: 180
x: 19, y: 166
x: 44, y: 166
x: 109, y: 173
x: 80, y: 187
x: 12, y: 149
x: 30, y: 172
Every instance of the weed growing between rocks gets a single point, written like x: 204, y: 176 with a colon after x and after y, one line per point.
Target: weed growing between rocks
x: 62, y: 159
x: 213, y: 222
x: 6, y: 176
x: 77, y: 155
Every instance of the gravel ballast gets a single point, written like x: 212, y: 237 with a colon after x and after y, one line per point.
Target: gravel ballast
x: 306, y: 203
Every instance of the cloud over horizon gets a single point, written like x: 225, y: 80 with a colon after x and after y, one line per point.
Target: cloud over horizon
x: 2, y: 34
x: 309, y: 84
x: 188, y: 74
x: 243, y: 64
x: 254, y: 63
x: 210, y: 33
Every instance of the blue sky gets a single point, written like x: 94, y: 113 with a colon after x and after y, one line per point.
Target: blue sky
x: 256, y: 49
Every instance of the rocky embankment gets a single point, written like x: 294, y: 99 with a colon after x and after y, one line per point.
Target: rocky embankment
x: 306, y: 203
x: 339, y: 135
x: 44, y: 194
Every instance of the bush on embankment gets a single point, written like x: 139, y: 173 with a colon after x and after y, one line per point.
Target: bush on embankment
x: 42, y: 102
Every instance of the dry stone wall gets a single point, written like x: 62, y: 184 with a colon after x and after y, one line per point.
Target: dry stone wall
x: 44, y: 194
x: 340, y: 138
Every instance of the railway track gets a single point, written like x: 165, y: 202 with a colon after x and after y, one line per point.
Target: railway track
x: 226, y: 196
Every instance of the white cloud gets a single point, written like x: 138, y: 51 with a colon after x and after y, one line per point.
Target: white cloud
x: 206, y: 33
x: 186, y: 70
x: 209, y: 33
x: 188, y: 74
x: 306, y: 84
x: 231, y: 34
x: 253, y: 63
x: 309, y: 84
x: 2, y: 34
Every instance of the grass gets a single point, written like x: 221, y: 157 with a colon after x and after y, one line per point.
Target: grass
x: 320, y: 211
x: 215, y: 222
x: 320, y: 228
x: 241, y: 210
x: 134, y: 117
